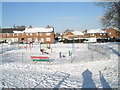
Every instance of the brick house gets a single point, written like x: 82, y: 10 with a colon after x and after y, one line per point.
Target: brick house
x: 7, y: 33
x: 113, y: 33
x: 96, y: 33
x: 42, y: 34
x: 73, y: 34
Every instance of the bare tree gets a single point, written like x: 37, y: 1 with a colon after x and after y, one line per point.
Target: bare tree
x: 111, y: 16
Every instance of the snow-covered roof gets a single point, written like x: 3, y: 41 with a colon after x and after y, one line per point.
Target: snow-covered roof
x: 35, y: 30
x: 17, y: 31
x: 96, y: 31
x: 77, y: 33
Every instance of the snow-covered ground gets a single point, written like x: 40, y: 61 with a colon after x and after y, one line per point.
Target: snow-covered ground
x: 96, y: 67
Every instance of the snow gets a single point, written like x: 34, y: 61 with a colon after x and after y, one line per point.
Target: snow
x: 96, y: 67
x: 77, y: 33
x: 96, y: 31
x: 36, y: 30
x: 18, y: 32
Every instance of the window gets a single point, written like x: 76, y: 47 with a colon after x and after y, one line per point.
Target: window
x: 36, y: 34
x: 42, y: 40
x: 14, y: 34
x: 36, y: 39
x: 109, y: 32
x: 4, y: 34
x: 100, y: 34
x: 15, y: 39
x: 18, y: 34
x: 40, y: 34
x: 91, y: 34
x: 8, y: 34
x: 27, y: 34
x: 48, y: 34
x: 30, y: 39
x: 30, y: 34
x: 48, y: 39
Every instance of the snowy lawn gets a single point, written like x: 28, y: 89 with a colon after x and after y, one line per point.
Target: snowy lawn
x: 96, y: 67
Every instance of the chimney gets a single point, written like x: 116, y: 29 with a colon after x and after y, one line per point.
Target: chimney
x: 30, y: 26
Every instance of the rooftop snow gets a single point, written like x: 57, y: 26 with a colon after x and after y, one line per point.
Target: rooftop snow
x: 17, y: 31
x: 77, y: 33
x: 35, y: 30
x: 96, y: 31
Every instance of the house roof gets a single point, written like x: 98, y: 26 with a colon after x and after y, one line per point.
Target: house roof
x: 35, y: 30
x: 10, y: 30
x: 77, y: 33
x: 96, y: 31
x: 18, y: 31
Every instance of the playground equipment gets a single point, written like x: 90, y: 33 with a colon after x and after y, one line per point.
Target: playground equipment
x: 73, y: 44
x: 89, y: 43
x: 44, y: 57
x: 69, y: 53
x: 41, y: 58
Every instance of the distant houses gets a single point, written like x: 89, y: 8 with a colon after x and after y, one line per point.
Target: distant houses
x: 47, y: 35
x: 113, y: 33
x: 96, y: 35
x: 73, y: 34
x: 40, y: 34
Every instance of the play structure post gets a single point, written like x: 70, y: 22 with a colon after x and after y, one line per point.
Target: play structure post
x: 88, y: 42
x: 50, y: 47
x: 30, y: 46
x: 42, y: 51
x: 46, y: 45
x: 60, y: 54
x: 73, y: 44
x: 26, y: 46
x: 22, y: 57
x: 42, y: 48
x: 69, y: 53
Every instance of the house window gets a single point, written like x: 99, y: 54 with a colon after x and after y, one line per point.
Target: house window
x: 30, y: 34
x: 109, y: 32
x: 40, y: 34
x: 30, y: 39
x: 36, y: 34
x: 91, y: 34
x: 15, y: 39
x: 8, y: 34
x: 27, y: 34
x: 18, y: 34
x: 14, y: 34
x: 104, y: 34
x: 36, y: 39
x: 4, y: 34
x: 100, y: 34
x: 42, y: 40
x: 48, y: 39
x: 47, y: 34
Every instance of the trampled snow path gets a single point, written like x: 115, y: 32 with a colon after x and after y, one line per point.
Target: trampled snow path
x: 18, y: 70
